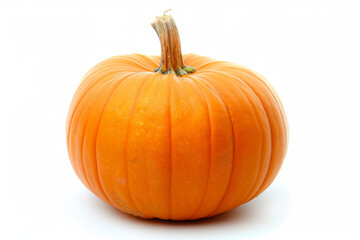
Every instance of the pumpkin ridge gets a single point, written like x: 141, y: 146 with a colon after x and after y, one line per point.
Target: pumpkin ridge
x: 233, y: 135
x: 198, y: 59
x: 170, y: 153
x: 121, y: 79
x: 71, y: 126
x: 244, y: 70
x: 212, y: 91
x: 240, y: 88
x: 200, y: 67
x: 270, y: 89
x: 110, y: 82
x: 153, y: 59
x: 237, y: 79
x: 103, y: 66
x: 279, y: 105
x: 262, y: 136
x: 271, y: 135
x: 126, y: 141
x: 273, y: 158
x: 133, y: 61
x: 210, y: 148
x: 81, y: 158
x: 72, y: 113
x: 150, y: 59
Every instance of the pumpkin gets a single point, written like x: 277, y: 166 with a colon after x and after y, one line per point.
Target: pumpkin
x: 175, y: 136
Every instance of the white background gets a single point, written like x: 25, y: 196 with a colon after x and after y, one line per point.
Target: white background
x: 307, y: 49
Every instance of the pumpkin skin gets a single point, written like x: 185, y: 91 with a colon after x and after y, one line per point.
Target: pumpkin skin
x: 171, y: 147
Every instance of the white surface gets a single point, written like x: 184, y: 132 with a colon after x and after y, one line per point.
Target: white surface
x: 307, y: 49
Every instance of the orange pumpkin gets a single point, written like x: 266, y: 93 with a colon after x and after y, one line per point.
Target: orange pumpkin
x: 192, y: 139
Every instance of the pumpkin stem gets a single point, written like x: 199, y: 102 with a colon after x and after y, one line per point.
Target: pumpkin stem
x: 171, y: 57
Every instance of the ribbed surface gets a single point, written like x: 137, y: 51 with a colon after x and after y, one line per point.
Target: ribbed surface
x: 173, y: 147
